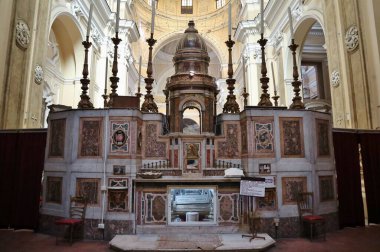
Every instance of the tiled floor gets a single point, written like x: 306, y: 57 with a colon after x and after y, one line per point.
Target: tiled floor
x: 346, y: 240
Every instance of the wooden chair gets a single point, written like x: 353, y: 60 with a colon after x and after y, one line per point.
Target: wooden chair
x: 254, y: 225
x: 306, y: 215
x: 75, y: 222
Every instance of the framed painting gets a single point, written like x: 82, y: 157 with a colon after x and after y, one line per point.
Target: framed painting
x: 90, y: 137
x: 291, y: 132
x: 89, y: 189
x: 291, y: 186
x: 54, y: 190
x: 57, y: 137
x: 323, y: 143
x: 264, y: 168
x: 326, y: 188
x: 118, y: 170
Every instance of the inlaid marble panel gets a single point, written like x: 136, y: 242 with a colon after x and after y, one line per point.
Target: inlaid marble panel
x: 263, y: 136
x: 322, y: 138
x: 230, y: 147
x: 153, y: 148
x: 153, y: 208
x: 119, y: 136
x: 291, y: 186
x: 54, y: 190
x: 57, y: 137
x: 117, y: 200
x: 88, y: 188
x: 292, y: 145
x: 228, y: 207
x: 90, y: 139
x: 269, y: 201
x: 326, y: 188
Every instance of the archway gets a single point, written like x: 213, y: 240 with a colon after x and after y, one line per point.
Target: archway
x: 191, y: 118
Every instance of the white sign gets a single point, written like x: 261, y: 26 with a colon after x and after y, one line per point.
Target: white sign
x: 252, y: 187
x: 269, y: 181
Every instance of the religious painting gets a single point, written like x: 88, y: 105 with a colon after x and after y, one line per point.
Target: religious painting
x: 57, y: 137
x: 89, y: 189
x: 263, y: 136
x: 323, y: 137
x: 153, y: 148
x: 117, y: 200
x: 192, y: 156
x: 268, y: 202
x: 264, y: 168
x: 54, y: 190
x: 291, y: 137
x: 230, y: 147
x: 291, y: 186
x: 118, y: 170
x: 90, y: 140
x: 326, y: 188
x: 119, y: 136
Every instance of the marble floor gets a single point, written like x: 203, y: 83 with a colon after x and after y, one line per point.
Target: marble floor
x: 346, y: 240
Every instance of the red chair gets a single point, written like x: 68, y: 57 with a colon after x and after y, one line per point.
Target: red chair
x: 307, y: 216
x: 76, y: 220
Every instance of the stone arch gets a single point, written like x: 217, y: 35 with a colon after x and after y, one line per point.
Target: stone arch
x: 195, y: 126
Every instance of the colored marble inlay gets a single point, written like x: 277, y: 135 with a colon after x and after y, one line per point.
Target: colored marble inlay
x: 291, y: 137
x: 153, y: 148
x: 230, y: 147
x: 264, y: 137
x: 323, y: 137
x: 89, y: 189
x: 326, y: 188
x: 57, y: 137
x: 54, y: 190
x: 291, y: 186
x: 90, y: 138
x: 117, y: 200
x: 119, y: 136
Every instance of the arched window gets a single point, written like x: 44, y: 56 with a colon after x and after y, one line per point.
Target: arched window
x: 186, y: 6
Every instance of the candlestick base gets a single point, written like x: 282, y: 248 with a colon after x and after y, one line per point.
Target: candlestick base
x: 149, y: 106
x: 275, y: 98
x: 105, y: 103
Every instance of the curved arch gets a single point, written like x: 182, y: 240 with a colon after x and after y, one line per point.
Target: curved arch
x: 62, y: 10
x: 190, y: 99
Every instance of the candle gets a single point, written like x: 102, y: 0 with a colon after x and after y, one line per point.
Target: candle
x: 105, y: 85
x: 153, y: 14
x: 139, y: 73
x: 274, y: 82
x: 262, y: 16
x: 290, y: 23
x: 244, y: 82
x: 117, y: 15
x: 229, y: 19
x: 89, y: 20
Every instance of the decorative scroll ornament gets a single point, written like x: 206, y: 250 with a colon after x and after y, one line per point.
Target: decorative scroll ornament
x: 335, y: 78
x: 22, y: 34
x: 38, y: 74
x: 352, y: 38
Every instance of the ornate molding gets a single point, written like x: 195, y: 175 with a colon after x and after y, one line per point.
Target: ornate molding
x: 352, y: 38
x: 246, y: 28
x: 38, y: 74
x: 335, y: 78
x: 76, y: 9
x: 22, y: 34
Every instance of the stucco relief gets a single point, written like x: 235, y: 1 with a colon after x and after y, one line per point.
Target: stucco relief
x: 38, y: 74
x: 335, y: 78
x: 352, y: 38
x: 22, y: 34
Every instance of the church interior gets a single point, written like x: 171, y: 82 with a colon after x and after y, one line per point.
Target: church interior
x: 189, y: 117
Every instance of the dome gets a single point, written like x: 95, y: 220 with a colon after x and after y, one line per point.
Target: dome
x: 191, y: 54
x: 191, y: 39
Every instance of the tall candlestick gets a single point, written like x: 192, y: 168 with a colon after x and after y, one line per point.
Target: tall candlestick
x: 117, y: 16
x: 89, y: 20
x: 229, y: 20
x: 262, y: 17
x: 274, y: 81
x: 153, y: 14
x: 291, y: 23
x: 139, y: 74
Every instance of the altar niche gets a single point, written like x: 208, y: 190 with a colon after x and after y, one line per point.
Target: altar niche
x: 189, y: 205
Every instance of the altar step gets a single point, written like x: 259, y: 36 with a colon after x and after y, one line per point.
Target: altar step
x: 190, y: 242
x: 196, y: 229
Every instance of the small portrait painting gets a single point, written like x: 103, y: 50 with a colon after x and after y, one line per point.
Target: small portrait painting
x: 264, y: 168
x: 119, y: 170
